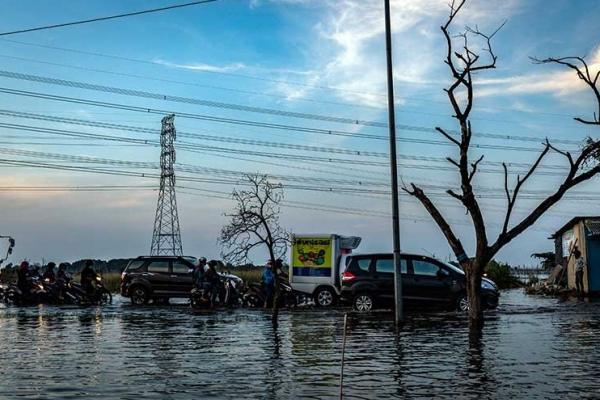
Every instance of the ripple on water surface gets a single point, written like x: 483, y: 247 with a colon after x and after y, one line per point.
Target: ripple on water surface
x: 531, y: 347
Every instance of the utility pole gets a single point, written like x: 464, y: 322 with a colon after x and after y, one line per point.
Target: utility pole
x: 166, y: 239
x: 393, y: 167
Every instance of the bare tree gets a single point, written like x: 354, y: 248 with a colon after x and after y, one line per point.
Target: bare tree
x: 463, y: 65
x: 255, y: 223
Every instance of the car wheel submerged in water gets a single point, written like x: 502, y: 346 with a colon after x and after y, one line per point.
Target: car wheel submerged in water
x: 363, y: 302
x: 139, y: 295
x: 462, y: 303
x: 324, y: 297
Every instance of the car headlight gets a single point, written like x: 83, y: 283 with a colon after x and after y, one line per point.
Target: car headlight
x: 487, y: 285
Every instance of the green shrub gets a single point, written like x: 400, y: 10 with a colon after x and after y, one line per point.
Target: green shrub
x: 501, y: 275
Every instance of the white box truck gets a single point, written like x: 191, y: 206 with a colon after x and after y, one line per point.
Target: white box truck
x: 316, y: 263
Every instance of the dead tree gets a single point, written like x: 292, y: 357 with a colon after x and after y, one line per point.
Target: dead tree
x: 254, y: 224
x: 463, y: 65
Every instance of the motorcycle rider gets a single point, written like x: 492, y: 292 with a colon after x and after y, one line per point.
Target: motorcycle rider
x: 212, y: 280
x: 198, y: 275
x: 23, y: 278
x: 88, y: 276
x: 61, y: 274
x: 268, y: 281
x: 49, y: 273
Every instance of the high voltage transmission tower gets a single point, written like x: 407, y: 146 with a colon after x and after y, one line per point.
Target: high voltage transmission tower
x: 166, y: 239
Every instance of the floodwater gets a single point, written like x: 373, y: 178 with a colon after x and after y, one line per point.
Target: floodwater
x: 531, y: 347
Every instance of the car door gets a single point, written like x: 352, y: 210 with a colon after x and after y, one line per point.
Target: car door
x: 383, y: 274
x: 182, y: 277
x: 431, y: 282
x: 158, y: 274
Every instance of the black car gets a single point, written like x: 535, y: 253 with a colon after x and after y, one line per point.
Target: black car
x: 368, y: 282
x: 157, y: 278
x: 160, y: 278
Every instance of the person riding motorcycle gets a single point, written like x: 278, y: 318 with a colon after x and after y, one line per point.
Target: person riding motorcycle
x: 88, y: 276
x: 212, y: 281
x: 198, y: 273
x: 61, y: 274
x: 23, y: 278
x: 49, y: 273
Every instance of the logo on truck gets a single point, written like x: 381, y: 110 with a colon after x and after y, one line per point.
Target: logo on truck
x: 312, y: 256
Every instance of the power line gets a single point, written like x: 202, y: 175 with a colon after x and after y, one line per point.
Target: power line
x: 188, y: 146
x: 283, y: 127
x: 252, y: 109
x: 86, y: 21
x: 196, y: 84
x: 250, y: 142
x: 287, y: 82
x: 238, y: 174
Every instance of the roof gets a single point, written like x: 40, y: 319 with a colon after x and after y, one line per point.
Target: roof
x: 573, y: 222
x: 593, y: 227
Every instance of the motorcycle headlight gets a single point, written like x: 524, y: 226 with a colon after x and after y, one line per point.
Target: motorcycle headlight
x: 487, y: 285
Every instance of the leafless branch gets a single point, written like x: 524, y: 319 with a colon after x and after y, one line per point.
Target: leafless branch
x: 448, y: 136
x: 254, y: 222
x: 452, y: 239
x: 580, y: 66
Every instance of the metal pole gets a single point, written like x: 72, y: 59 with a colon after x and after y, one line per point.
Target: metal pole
x: 393, y: 167
x: 343, y: 355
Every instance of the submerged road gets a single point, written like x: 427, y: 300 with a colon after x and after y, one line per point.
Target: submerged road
x: 532, y: 347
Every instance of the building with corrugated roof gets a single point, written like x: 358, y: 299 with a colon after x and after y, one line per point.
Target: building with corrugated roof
x: 583, y: 232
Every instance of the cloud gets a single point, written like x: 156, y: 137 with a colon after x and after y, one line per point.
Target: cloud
x: 202, y: 66
x: 349, y: 52
x: 560, y: 83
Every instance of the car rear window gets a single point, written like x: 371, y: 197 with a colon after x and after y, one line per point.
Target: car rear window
x: 159, y: 266
x: 360, y: 264
x: 387, y: 265
x: 135, y: 265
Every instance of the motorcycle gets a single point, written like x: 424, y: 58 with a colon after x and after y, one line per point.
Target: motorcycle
x: 256, y: 296
x: 225, y: 294
x: 37, y: 293
x: 99, y: 296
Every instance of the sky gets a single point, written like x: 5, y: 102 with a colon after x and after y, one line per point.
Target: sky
x: 321, y: 63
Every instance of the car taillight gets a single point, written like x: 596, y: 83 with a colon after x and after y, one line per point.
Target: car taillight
x: 123, y: 275
x: 348, y: 276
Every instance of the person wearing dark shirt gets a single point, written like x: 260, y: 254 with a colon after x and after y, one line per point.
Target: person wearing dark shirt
x: 61, y: 274
x: 49, y: 274
x: 88, y: 276
x: 23, y: 278
x: 198, y: 274
x: 212, y: 280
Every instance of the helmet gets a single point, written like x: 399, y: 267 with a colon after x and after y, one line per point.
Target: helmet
x: 51, y: 265
x: 202, y: 260
x: 212, y: 263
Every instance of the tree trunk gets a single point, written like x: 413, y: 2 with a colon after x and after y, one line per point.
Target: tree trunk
x: 473, y: 275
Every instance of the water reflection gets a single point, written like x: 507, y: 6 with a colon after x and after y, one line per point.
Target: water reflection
x: 531, y: 347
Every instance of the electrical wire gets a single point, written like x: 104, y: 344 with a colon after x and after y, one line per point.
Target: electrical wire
x: 283, y: 127
x: 252, y: 109
x: 87, y: 21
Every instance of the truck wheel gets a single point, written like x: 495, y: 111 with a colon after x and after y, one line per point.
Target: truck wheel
x: 363, y: 302
x: 324, y: 297
x: 139, y: 295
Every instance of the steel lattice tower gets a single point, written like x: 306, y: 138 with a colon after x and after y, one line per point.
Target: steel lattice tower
x: 166, y: 239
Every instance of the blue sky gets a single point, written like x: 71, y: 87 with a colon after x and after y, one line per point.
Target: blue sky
x: 307, y: 56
